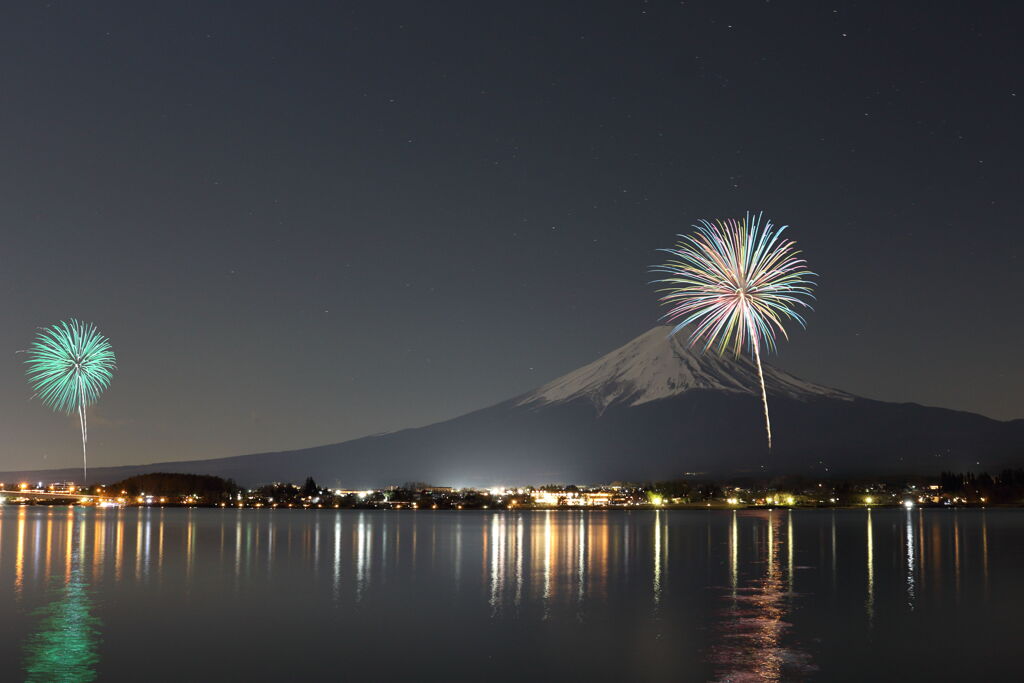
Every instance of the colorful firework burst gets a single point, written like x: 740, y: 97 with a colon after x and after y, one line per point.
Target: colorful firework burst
x: 736, y: 281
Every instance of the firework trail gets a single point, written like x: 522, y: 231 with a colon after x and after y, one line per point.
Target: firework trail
x: 69, y: 365
x: 736, y: 281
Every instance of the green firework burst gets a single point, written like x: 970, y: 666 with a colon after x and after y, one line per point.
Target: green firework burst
x: 69, y: 365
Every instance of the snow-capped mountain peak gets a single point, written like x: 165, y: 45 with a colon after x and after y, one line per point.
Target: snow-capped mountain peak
x: 656, y: 365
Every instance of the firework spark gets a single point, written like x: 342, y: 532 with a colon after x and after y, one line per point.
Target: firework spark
x: 69, y: 365
x: 736, y: 281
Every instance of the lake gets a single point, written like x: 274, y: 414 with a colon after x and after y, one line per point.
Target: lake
x: 682, y: 595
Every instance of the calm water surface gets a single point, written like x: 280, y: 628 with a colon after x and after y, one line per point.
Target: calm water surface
x: 176, y: 594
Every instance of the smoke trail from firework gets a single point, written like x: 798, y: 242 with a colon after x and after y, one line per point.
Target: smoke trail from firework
x: 736, y: 281
x: 69, y: 365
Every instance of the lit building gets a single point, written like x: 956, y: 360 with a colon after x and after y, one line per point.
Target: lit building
x: 571, y: 498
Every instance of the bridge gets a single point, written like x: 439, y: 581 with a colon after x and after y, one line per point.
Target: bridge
x: 43, y: 494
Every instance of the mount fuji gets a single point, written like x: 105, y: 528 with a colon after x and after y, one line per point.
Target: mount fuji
x: 651, y: 409
x: 655, y: 366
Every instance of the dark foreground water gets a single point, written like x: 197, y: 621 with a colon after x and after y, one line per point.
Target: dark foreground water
x: 196, y: 595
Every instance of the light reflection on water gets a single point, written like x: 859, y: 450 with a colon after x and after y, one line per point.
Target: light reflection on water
x: 909, y: 536
x: 693, y: 595
x: 64, y: 643
x: 870, y: 603
x: 752, y: 628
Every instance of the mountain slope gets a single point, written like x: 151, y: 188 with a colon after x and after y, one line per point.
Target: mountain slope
x: 648, y: 410
x: 655, y: 366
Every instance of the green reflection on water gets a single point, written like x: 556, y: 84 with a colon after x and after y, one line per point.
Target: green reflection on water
x: 65, y: 645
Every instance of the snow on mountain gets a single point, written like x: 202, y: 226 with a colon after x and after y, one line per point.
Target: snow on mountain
x: 656, y: 366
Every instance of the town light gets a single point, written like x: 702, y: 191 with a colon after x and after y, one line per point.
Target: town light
x: 908, y: 503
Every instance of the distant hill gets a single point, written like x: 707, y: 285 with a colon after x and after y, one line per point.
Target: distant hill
x: 652, y: 409
x: 175, y: 484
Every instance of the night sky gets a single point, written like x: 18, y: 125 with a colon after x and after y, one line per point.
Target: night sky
x: 302, y: 223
